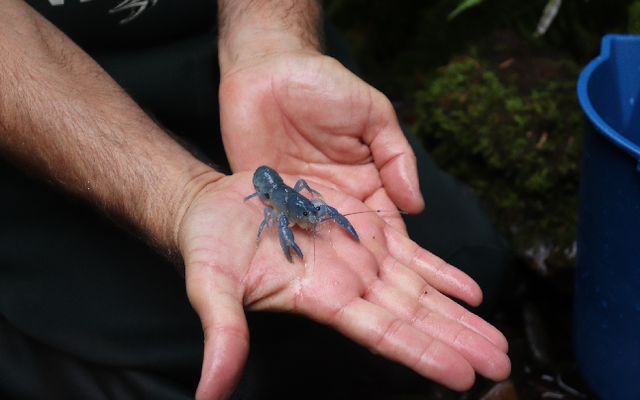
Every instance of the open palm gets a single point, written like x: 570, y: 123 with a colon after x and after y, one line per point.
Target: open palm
x: 305, y: 114
x: 385, y: 293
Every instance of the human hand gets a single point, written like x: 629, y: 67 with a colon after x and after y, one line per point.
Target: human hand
x: 385, y: 292
x: 305, y: 114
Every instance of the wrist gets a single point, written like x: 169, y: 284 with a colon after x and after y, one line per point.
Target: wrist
x: 253, y: 30
x: 183, y: 191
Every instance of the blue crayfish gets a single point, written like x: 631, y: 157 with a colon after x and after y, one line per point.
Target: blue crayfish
x: 290, y: 207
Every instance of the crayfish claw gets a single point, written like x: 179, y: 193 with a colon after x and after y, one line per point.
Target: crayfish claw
x: 285, y: 235
x: 344, y: 223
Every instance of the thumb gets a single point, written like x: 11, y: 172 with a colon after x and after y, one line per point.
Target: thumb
x: 226, y: 334
x: 394, y: 158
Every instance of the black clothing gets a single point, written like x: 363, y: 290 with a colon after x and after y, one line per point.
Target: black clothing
x: 127, y: 24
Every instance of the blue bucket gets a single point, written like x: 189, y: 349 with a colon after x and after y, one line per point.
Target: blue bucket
x: 607, y: 286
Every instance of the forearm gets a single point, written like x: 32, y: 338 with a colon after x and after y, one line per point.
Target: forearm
x: 252, y: 29
x: 64, y: 120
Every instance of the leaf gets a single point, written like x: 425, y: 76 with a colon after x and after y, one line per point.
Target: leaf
x: 548, y: 15
x: 463, y: 6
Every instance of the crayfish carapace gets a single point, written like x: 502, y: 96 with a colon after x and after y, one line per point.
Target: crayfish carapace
x: 290, y: 208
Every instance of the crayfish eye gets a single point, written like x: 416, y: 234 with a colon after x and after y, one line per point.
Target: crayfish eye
x: 317, y: 208
x: 305, y: 213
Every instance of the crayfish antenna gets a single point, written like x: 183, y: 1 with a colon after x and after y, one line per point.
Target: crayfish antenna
x: 372, y: 211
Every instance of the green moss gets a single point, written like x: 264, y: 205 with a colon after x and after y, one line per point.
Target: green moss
x: 633, y: 26
x: 518, y: 151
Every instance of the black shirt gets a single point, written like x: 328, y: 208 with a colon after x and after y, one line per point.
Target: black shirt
x: 122, y: 24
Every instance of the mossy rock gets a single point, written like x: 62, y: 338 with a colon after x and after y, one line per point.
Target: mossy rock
x: 516, y: 142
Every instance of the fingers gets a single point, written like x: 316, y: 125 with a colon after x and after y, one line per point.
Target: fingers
x: 416, y: 292
x: 442, y: 276
x: 416, y: 266
x: 385, y: 334
x: 448, y: 323
x: 429, y: 333
x: 225, y: 330
x: 410, y: 284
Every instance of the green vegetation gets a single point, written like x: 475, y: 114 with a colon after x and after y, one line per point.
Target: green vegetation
x: 518, y: 150
x: 502, y: 113
x: 634, y: 18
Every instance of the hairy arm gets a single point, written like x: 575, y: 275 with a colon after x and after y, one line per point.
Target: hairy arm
x: 253, y: 29
x: 65, y: 121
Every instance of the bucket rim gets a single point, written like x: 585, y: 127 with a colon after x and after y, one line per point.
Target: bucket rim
x: 585, y: 102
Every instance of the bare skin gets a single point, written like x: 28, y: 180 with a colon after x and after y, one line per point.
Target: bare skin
x: 385, y: 293
x: 286, y: 105
x: 63, y: 120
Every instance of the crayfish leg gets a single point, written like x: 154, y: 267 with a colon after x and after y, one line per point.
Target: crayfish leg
x: 250, y: 196
x: 265, y: 222
x: 302, y: 184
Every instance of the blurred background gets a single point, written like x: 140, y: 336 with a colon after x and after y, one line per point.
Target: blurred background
x: 489, y: 87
